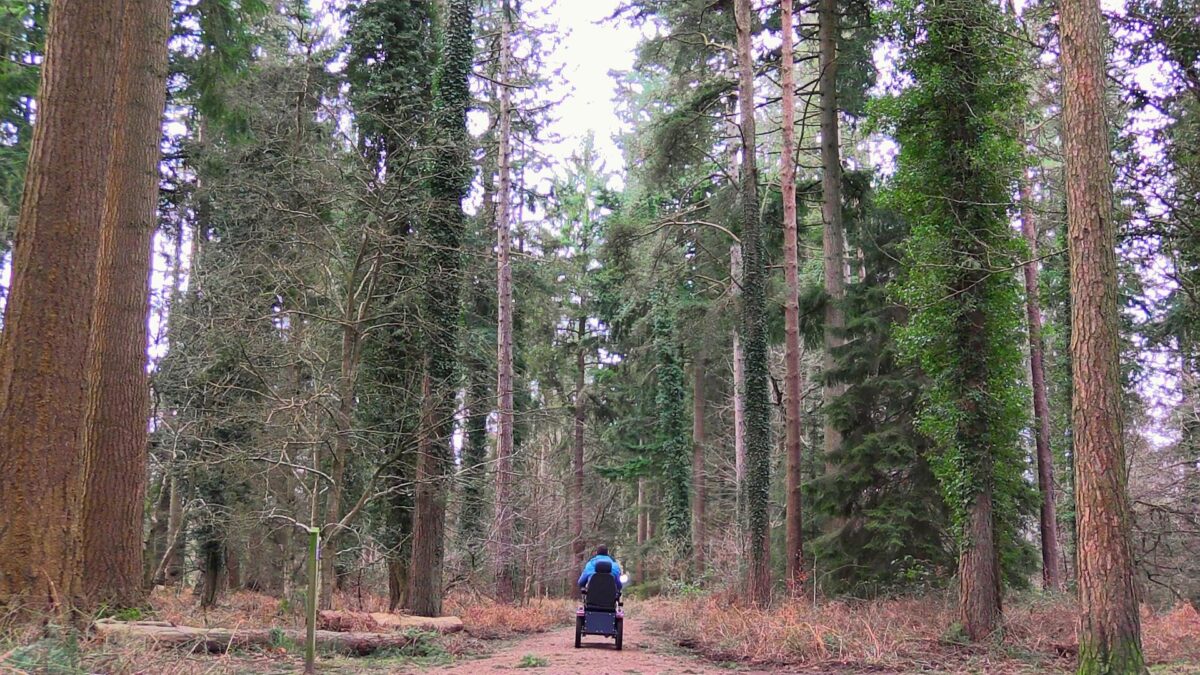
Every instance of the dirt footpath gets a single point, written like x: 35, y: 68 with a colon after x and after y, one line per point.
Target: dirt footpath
x: 643, y: 654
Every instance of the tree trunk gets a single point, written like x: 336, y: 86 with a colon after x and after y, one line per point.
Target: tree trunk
x: 169, y: 567
x: 1110, y: 629
x: 118, y: 392
x: 577, y: 456
x: 654, y: 512
x: 831, y: 212
x: 397, y: 572
x: 1051, y: 575
x: 699, y: 471
x: 429, y: 524
x: 643, y: 525
x: 219, y: 640
x: 754, y: 325
x: 449, y: 185
x: 354, y: 314
x: 504, y: 561
x: 739, y: 396
x: 472, y: 528
x: 156, y: 537
x: 793, y: 399
x: 979, y: 572
x: 44, y: 346
x: 212, y: 570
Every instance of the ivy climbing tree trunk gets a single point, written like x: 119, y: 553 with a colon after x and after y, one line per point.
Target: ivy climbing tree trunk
x: 44, y: 346
x: 754, y: 325
x: 792, y: 401
x: 449, y: 185
x: 671, y: 414
x: 1110, y: 629
x: 118, y: 392
x: 958, y: 164
x: 504, y: 560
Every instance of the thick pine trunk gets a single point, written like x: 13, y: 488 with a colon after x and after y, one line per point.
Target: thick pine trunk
x: 1110, y: 628
x: 44, y: 346
x: 979, y: 572
x: 831, y: 211
x: 794, y: 544
x: 699, y: 470
x: 1051, y: 574
x: 504, y: 560
x: 754, y: 326
x: 118, y: 393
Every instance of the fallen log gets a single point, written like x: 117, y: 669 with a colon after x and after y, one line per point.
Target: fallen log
x: 344, y: 621
x: 223, y: 639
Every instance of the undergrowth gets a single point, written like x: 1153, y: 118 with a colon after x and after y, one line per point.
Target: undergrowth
x: 489, y: 620
x: 901, y: 634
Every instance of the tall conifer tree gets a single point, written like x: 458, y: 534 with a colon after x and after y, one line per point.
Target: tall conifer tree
x: 1110, y: 627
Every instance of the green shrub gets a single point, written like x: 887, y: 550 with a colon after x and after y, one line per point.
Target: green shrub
x: 531, y: 661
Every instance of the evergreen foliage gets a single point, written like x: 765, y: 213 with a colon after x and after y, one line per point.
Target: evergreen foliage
x: 954, y: 182
x: 888, y: 527
x: 22, y: 35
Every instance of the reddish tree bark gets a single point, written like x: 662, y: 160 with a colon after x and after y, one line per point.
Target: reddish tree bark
x: 118, y: 392
x: 1110, y: 627
x: 1051, y: 576
x: 44, y: 346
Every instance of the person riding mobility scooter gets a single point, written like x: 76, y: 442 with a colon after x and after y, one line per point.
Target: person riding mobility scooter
x: 602, y: 612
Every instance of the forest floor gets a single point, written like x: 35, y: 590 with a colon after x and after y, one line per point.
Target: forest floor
x: 701, y: 635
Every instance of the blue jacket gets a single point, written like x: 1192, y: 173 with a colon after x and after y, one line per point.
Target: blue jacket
x: 590, y: 568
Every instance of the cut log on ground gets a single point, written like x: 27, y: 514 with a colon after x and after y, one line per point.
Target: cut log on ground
x: 343, y: 621
x: 223, y: 639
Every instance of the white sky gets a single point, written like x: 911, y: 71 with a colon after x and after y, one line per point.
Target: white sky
x: 589, y: 50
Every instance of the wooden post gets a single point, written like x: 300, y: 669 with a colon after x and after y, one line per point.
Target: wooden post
x: 314, y: 590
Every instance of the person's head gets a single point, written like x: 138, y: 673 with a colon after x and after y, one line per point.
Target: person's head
x: 602, y: 550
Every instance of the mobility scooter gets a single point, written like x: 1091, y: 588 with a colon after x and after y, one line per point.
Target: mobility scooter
x: 602, y: 612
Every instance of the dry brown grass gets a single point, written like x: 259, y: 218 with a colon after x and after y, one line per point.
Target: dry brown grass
x: 488, y: 620
x: 238, y: 609
x: 907, y: 634
x: 1172, y: 637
